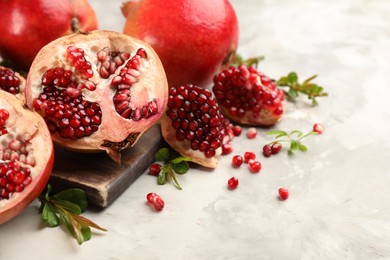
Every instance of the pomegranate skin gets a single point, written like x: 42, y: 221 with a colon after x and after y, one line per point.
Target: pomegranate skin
x: 193, y: 38
x: 30, y: 122
x: 29, y: 25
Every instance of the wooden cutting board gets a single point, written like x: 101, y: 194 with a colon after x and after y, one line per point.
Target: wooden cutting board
x: 102, y: 179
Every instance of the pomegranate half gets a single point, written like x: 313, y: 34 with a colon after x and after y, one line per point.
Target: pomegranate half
x: 26, y: 26
x: 97, y: 91
x: 26, y: 156
x: 194, y: 38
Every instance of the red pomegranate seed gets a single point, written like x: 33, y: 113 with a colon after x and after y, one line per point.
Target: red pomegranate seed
x: 276, y: 147
x: 227, y: 148
x: 254, y: 166
x: 267, y: 150
x: 251, y: 133
x: 283, y: 193
x: 249, y: 156
x: 232, y: 183
x: 237, y: 130
x: 155, y: 200
x: 154, y: 169
x: 9, y: 81
x: 318, y: 128
x: 237, y: 160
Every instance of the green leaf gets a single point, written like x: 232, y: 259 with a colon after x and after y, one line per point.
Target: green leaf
x: 181, y: 168
x: 86, y: 232
x: 75, y: 196
x: 293, y: 145
x: 302, y: 147
x: 49, y: 216
x: 180, y: 159
x: 292, y: 93
x: 296, y: 132
x: 68, y: 206
x: 162, y: 155
x: 277, y: 132
x: 162, y: 177
x: 292, y: 77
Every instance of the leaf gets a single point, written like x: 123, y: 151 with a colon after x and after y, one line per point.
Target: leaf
x: 181, y: 168
x: 292, y: 77
x: 49, y: 216
x: 302, y: 147
x: 162, y: 155
x: 277, y: 132
x: 292, y: 93
x: 68, y: 206
x: 293, y: 145
x: 86, y: 222
x: 86, y: 233
x: 162, y: 177
x: 180, y: 159
x: 297, y: 132
x: 175, y: 182
x: 75, y: 196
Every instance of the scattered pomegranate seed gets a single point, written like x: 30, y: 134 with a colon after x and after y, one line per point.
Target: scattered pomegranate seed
x: 237, y: 160
x: 251, y: 133
x: 283, y: 193
x: 232, y: 183
x: 155, y: 200
x: 276, y: 147
x: 154, y: 169
x: 254, y: 166
x: 237, y: 130
x: 267, y: 150
x: 249, y: 156
x: 319, y: 128
x: 227, y: 148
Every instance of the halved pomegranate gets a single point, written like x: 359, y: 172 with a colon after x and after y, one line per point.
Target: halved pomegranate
x: 249, y: 97
x: 97, y: 91
x: 193, y: 125
x: 12, y: 82
x: 26, y: 156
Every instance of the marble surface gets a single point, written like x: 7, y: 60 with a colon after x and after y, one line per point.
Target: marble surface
x: 339, y: 205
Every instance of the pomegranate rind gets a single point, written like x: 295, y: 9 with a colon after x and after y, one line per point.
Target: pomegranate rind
x: 27, y: 121
x: 113, y: 128
x: 184, y: 147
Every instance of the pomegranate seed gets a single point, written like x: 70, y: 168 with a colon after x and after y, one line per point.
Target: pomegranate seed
x: 254, y: 166
x: 237, y: 160
x: 251, y: 133
x: 318, y: 128
x: 227, y: 148
x: 154, y: 169
x: 232, y: 183
x: 283, y: 193
x: 9, y: 81
x: 237, y: 130
x: 249, y: 156
x: 267, y: 150
x: 276, y: 147
x: 155, y: 200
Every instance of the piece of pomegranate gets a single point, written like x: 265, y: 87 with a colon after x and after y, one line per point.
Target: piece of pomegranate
x: 193, y: 125
x: 26, y: 156
x: 29, y: 25
x: 247, y: 96
x: 97, y: 91
x: 193, y: 38
x: 12, y: 82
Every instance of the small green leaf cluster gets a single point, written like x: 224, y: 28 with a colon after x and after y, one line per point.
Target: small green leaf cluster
x: 294, y: 138
x: 65, y: 208
x: 250, y: 62
x: 308, y: 88
x: 171, y: 166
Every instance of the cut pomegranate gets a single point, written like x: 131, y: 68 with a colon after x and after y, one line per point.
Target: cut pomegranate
x: 26, y: 156
x: 247, y: 96
x: 97, y: 91
x: 233, y: 183
x: 29, y: 25
x: 193, y: 125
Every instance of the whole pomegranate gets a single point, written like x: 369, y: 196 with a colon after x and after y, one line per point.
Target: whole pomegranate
x: 26, y: 156
x: 26, y: 26
x: 97, y: 91
x: 193, y: 38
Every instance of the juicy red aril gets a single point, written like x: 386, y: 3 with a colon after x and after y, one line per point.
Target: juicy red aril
x: 318, y: 128
x: 9, y: 81
x: 154, y: 169
x: 254, y: 166
x: 233, y: 183
x: 276, y: 147
x: 243, y: 89
x: 283, y: 193
x: 237, y: 130
x: 155, y: 200
x: 251, y: 133
x: 249, y: 156
x: 227, y: 148
x: 13, y: 178
x: 77, y: 59
x: 237, y: 161
x: 267, y: 150
x: 196, y: 118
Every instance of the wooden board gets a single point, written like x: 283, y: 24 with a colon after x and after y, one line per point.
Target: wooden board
x: 101, y: 178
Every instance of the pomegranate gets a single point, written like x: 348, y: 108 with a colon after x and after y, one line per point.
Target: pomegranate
x: 247, y: 96
x: 26, y: 156
x: 12, y: 82
x: 29, y: 25
x: 193, y: 125
x: 97, y: 91
x: 193, y: 38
